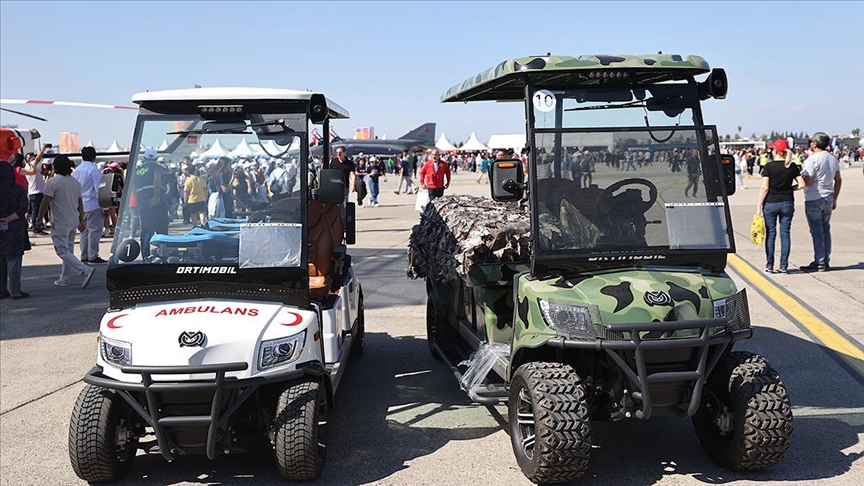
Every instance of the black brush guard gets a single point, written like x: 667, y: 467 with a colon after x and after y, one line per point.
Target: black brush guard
x: 714, y: 335
x: 217, y: 418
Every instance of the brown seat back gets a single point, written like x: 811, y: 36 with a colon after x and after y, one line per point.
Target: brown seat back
x: 325, y: 232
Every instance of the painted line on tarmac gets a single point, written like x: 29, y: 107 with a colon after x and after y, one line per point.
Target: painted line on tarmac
x: 28, y: 402
x: 819, y: 328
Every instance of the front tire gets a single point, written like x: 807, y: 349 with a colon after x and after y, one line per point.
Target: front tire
x: 744, y: 422
x: 101, y: 445
x: 549, y: 422
x: 301, y: 430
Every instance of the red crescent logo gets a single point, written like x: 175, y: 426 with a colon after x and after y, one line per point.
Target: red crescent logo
x: 297, y: 319
x: 111, y: 324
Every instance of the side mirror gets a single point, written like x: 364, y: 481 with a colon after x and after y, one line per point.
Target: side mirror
x: 331, y: 186
x: 507, y: 180
x: 110, y: 190
x: 727, y: 164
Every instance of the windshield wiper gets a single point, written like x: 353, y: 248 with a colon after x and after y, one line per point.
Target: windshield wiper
x: 238, y: 130
x: 606, y: 107
x: 203, y: 131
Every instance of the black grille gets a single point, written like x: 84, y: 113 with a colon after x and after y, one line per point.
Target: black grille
x: 738, y: 311
x: 205, y: 290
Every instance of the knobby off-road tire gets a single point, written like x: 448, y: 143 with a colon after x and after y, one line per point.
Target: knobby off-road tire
x: 360, y: 339
x: 745, y: 389
x: 549, y: 422
x: 301, y: 430
x: 431, y: 327
x: 93, y: 432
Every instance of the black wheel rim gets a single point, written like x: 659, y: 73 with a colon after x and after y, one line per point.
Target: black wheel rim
x: 525, y: 422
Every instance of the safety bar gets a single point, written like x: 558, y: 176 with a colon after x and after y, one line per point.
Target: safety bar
x: 641, y: 378
x: 218, y: 385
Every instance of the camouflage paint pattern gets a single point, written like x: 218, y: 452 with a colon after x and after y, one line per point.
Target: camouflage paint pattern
x: 497, y: 308
x: 637, y: 295
x: 672, y: 63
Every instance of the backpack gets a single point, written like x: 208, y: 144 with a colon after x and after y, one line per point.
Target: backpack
x: 277, y: 185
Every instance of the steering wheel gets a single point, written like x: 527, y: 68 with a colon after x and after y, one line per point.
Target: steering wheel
x: 608, y: 196
x: 260, y: 216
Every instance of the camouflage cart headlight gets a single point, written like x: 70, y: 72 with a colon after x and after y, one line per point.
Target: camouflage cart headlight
x: 281, y: 351
x: 578, y: 321
x: 115, y: 352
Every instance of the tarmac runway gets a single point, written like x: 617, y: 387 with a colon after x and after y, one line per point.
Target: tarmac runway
x: 399, y: 416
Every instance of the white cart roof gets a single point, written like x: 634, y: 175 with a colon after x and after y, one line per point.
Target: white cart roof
x: 235, y: 94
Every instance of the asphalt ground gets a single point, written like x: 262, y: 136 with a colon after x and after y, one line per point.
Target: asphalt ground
x: 400, y: 417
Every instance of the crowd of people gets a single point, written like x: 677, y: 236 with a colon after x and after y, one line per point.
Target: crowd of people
x: 40, y: 193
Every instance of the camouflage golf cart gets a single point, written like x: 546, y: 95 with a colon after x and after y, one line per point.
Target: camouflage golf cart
x: 623, y: 307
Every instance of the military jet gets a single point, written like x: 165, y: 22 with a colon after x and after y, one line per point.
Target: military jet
x: 420, y: 138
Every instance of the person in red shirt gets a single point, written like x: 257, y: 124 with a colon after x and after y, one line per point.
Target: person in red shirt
x: 17, y: 163
x: 435, y: 175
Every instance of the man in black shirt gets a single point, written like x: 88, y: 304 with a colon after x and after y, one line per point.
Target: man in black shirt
x: 694, y: 169
x: 346, y: 165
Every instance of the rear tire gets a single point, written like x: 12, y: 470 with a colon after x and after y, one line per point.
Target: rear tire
x: 745, y: 396
x: 431, y: 327
x: 301, y: 430
x: 360, y: 338
x: 98, y: 420
x: 550, y: 424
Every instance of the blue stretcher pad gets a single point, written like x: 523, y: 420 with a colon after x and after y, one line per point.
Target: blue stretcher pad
x: 207, y: 231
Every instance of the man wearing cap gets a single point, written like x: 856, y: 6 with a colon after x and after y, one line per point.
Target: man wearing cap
x: 152, y: 201
x: 89, y: 176
x: 822, y: 182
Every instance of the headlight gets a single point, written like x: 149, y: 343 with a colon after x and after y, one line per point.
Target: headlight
x: 280, y: 351
x: 578, y: 321
x: 115, y: 352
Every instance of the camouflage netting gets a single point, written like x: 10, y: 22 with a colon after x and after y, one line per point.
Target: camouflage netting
x: 457, y: 232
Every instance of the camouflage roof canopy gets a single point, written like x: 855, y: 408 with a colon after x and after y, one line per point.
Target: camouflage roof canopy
x: 506, y: 81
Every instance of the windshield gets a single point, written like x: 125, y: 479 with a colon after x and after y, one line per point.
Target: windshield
x: 202, y: 192
x: 624, y: 190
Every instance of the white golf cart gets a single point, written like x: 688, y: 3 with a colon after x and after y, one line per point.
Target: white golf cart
x: 233, y: 334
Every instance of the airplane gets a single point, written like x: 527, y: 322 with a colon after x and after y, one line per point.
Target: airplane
x: 420, y: 138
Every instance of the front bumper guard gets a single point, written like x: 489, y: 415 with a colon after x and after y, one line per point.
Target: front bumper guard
x: 220, y: 383
x: 710, y: 349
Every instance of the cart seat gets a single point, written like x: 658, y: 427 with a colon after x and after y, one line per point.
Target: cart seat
x: 325, y: 232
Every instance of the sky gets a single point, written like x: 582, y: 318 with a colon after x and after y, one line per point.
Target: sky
x: 792, y: 66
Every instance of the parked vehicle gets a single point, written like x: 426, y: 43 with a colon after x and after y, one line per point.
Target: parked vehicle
x: 232, y: 335
x: 624, y: 309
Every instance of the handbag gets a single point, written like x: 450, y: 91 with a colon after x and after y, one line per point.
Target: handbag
x: 757, y: 229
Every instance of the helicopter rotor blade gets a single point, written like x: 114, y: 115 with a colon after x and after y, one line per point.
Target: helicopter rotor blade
x: 24, y: 114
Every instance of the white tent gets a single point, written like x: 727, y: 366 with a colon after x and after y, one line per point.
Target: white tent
x: 473, y: 145
x: 273, y: 147
x: 164, y: 146
x: 242, y: 150
x: 89, y: 144
x: 256, y: 149
x: 115, y: 147
x: 444, y: 144
x: 216, y: 150
x: 515, y: 142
